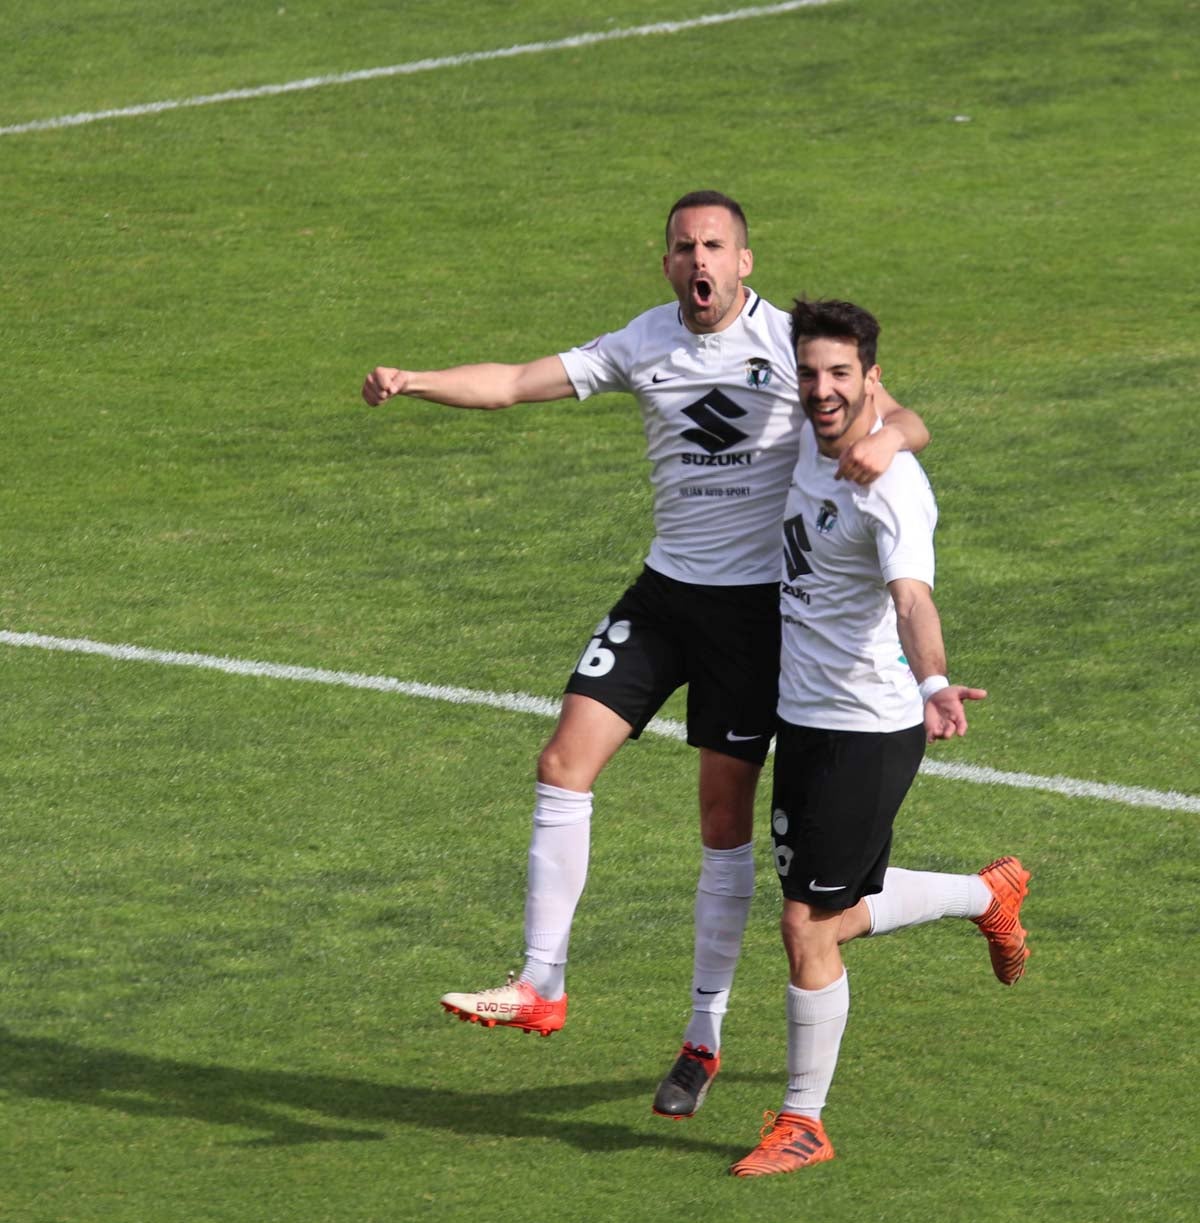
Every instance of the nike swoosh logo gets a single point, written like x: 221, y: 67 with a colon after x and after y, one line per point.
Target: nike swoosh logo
x: 708, y: 991
x: 814, y: 886
x: 739, y: 738
x: 667, y: 378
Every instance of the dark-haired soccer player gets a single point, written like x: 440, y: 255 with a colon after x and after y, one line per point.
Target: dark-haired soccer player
x: 862, y: 688
x: 714, y: 375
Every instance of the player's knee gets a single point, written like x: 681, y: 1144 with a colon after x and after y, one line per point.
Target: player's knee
x: 808, y: 933
x: 725, y: 827
x: 855, y: 923
x: 557, y: 766
x: 552, y: 767
x: 727, y: 813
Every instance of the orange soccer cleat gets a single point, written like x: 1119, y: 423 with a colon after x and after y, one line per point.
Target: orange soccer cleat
x: 1008, y: 882
x: 514, y: 1005
x: 789, y: 1142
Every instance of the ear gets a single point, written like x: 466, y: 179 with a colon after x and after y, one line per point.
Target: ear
x: 666, y: 257
x: 745, y: 262
x: 871, y: 378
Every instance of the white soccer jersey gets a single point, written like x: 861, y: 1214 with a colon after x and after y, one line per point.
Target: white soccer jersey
x: 721, y: 415
x: 842, y: 664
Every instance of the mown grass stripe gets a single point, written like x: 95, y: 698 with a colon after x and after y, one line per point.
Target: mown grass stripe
x: 414, y: 66
x: 520, y: 702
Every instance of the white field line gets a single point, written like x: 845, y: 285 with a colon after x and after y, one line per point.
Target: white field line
x: 420, y: 65
x: 519, y: 702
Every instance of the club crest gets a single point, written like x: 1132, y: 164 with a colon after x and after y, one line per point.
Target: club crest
x: 758, y: 372
x: 826, y: 517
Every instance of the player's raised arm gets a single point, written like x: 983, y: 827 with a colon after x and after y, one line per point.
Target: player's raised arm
x: 872, y: 455
x: 488, y: 385
x: 920, y: 629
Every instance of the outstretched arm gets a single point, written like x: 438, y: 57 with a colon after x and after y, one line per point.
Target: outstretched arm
x: 920, y: 629
x: 489, y: 385
x: 872, y: 455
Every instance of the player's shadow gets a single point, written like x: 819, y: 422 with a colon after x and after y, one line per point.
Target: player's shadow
x: 339, y: 1109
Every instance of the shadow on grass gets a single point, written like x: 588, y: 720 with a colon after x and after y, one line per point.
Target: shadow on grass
x: 139, y: 1085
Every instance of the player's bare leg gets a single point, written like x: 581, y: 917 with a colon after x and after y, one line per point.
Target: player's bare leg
x: 723, y: 895
x: 855, y: 922
x: 587, y: 736
x: 727, y: 788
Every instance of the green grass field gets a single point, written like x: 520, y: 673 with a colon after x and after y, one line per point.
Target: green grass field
x: 230, y: 902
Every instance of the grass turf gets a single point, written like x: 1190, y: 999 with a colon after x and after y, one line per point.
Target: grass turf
x: 230, y: 904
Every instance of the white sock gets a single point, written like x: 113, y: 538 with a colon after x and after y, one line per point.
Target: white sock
x: 723, y: 897
x: 558, y: 864
x: 816, y: 1021
x: 912, y: 897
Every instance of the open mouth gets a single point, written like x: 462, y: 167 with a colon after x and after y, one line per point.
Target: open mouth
x: 702, y: 291
x: 824, y: 412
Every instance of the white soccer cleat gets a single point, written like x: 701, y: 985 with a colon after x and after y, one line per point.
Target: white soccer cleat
x: 515, y: 1005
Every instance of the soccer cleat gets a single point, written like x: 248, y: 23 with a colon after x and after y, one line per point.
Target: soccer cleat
x: 1008, y: 882
x: 514, y: 1005
x: 789, y: 1142
x: 682, y: 1092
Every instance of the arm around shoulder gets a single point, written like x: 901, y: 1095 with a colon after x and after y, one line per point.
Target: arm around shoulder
x: 870, y: 456
x: 907, y: 423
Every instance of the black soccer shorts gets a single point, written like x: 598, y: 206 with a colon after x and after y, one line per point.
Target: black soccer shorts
x: 833, y: 803
x: 721, y: 641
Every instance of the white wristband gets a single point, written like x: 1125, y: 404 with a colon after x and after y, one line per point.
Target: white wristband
x: 931, y: 684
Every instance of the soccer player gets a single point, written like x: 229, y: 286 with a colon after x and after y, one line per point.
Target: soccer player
x: 862, y: 688
x: 714, y: 375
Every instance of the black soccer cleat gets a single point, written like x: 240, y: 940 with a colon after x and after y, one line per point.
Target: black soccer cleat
x: 682, y: 1092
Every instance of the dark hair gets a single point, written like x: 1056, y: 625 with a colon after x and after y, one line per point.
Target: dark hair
x: 709, y: 199
x: 836, y: 321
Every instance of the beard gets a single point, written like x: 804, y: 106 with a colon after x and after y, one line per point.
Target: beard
x: 833, y: 427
